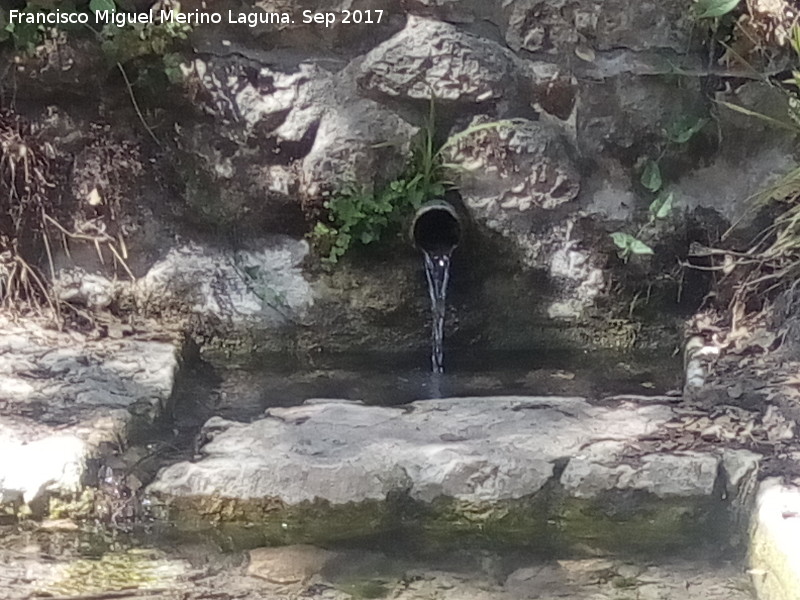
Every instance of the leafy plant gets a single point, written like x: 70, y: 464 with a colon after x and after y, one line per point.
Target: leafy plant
x: 24, y: 36
x: 356, y: 216
x: 629, y: 245
x: 651, y: 176
x: 362, y: 217
x: 712, y: 9
x: 679, y: 132
x: 684, y: 128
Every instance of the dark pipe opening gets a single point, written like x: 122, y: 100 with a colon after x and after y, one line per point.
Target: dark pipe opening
x: 436, y: 229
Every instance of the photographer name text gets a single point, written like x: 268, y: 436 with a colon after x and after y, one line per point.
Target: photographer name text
x: 197, y: 17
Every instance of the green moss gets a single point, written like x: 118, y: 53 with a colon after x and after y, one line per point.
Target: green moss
x: 365, y: 589
x: 449, y: 523
x: 623, y: 523
x: 80, y: 506
x: 268, y: 521
x: 134, y: 569
x: 628, y: 523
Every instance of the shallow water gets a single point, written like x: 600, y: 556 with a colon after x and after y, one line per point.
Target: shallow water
x: 243, y: 392
x: 209, y: 563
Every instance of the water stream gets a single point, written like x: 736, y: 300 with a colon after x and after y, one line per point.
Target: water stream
x: 437, y: 271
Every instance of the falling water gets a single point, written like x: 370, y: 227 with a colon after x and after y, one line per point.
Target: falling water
x: 437, y: 270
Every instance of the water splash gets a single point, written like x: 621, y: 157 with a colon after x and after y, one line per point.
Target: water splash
x: 437, y: 271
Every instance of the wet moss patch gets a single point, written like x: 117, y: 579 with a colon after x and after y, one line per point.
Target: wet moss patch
x: 134, y: 569
x: 637, y: 522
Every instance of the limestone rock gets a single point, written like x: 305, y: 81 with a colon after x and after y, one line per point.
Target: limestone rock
x: 62, y: 395
x: 289, y: 564
x: 264, y: 283
x: 510, y: 178
x: 603, y: 467
x: 359, y: 143
x: 310, y: 126
x: 774, y: 530
x: 433, y: 59
x: 509, y: 171
x: 559, y: 26
x: 473, y: 449
x: 253, y: 102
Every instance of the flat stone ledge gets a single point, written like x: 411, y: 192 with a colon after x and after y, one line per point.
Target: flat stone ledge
x: 63, y: 394
x: 543, y: 466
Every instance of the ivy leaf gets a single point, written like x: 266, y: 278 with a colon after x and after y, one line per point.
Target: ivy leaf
x: 628, y: 244
x: 651, y: 176
x: 25, y: 35
x: 639, y: 247
x: 708, y: 9
x: 102, y: 5
x: 661, y: 206
x: 683, y: 129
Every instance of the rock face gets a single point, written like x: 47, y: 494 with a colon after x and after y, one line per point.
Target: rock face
x: 558, y: 26
x: 63, y: 395
x: 260, y: 127
x: 474, y: 452
x: 431, y: 59
x: 537, y: 174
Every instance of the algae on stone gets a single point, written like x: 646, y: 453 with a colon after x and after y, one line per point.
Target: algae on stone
x: 134, y: 569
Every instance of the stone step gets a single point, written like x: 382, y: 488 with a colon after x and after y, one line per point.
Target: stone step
x: 549, y: 472
x: 63, y: 396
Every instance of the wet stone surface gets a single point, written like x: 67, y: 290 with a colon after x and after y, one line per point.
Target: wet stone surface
x: 41, y: 564
x: 554, y: 471
x: 63, y: 396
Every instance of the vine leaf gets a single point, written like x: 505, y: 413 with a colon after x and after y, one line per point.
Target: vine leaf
x: 709, y: 9
x: 684, y: 129
x: 628, y: 245
x: 651, y: 176
x: 661, y: 206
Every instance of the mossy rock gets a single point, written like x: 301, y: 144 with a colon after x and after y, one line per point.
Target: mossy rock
x: 117, y: 571
x: 637, y: 522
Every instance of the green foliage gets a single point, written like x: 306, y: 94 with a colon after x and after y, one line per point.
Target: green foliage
x: 172, y: 67
x: 629, y: 245
x: 651, y: 176
x: 678, y: 132
x: 125, y: 44
x: 359, y: 217
x: 684, y: 128
x: 661, y: 207
x: 24, y: 36
x: 356, y: 216
x: 711, y: 9
x: 120, y: 45
x: 102, y: 5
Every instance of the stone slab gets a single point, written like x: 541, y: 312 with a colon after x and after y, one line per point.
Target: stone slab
x: 63, y: 394
x: 470, y: 449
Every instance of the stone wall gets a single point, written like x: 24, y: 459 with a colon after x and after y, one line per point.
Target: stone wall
x: 269, y: 122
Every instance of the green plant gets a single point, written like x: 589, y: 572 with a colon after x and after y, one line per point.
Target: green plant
x: 357, y: 216
x: 713, y: 9
x: 677, y: 132
x: 139, y: 40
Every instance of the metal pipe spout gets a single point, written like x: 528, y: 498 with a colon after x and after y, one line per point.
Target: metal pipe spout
x: 436, y: 228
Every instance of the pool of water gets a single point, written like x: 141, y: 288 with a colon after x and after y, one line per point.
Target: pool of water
x: 155, y: 559
x: 243, y: 391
